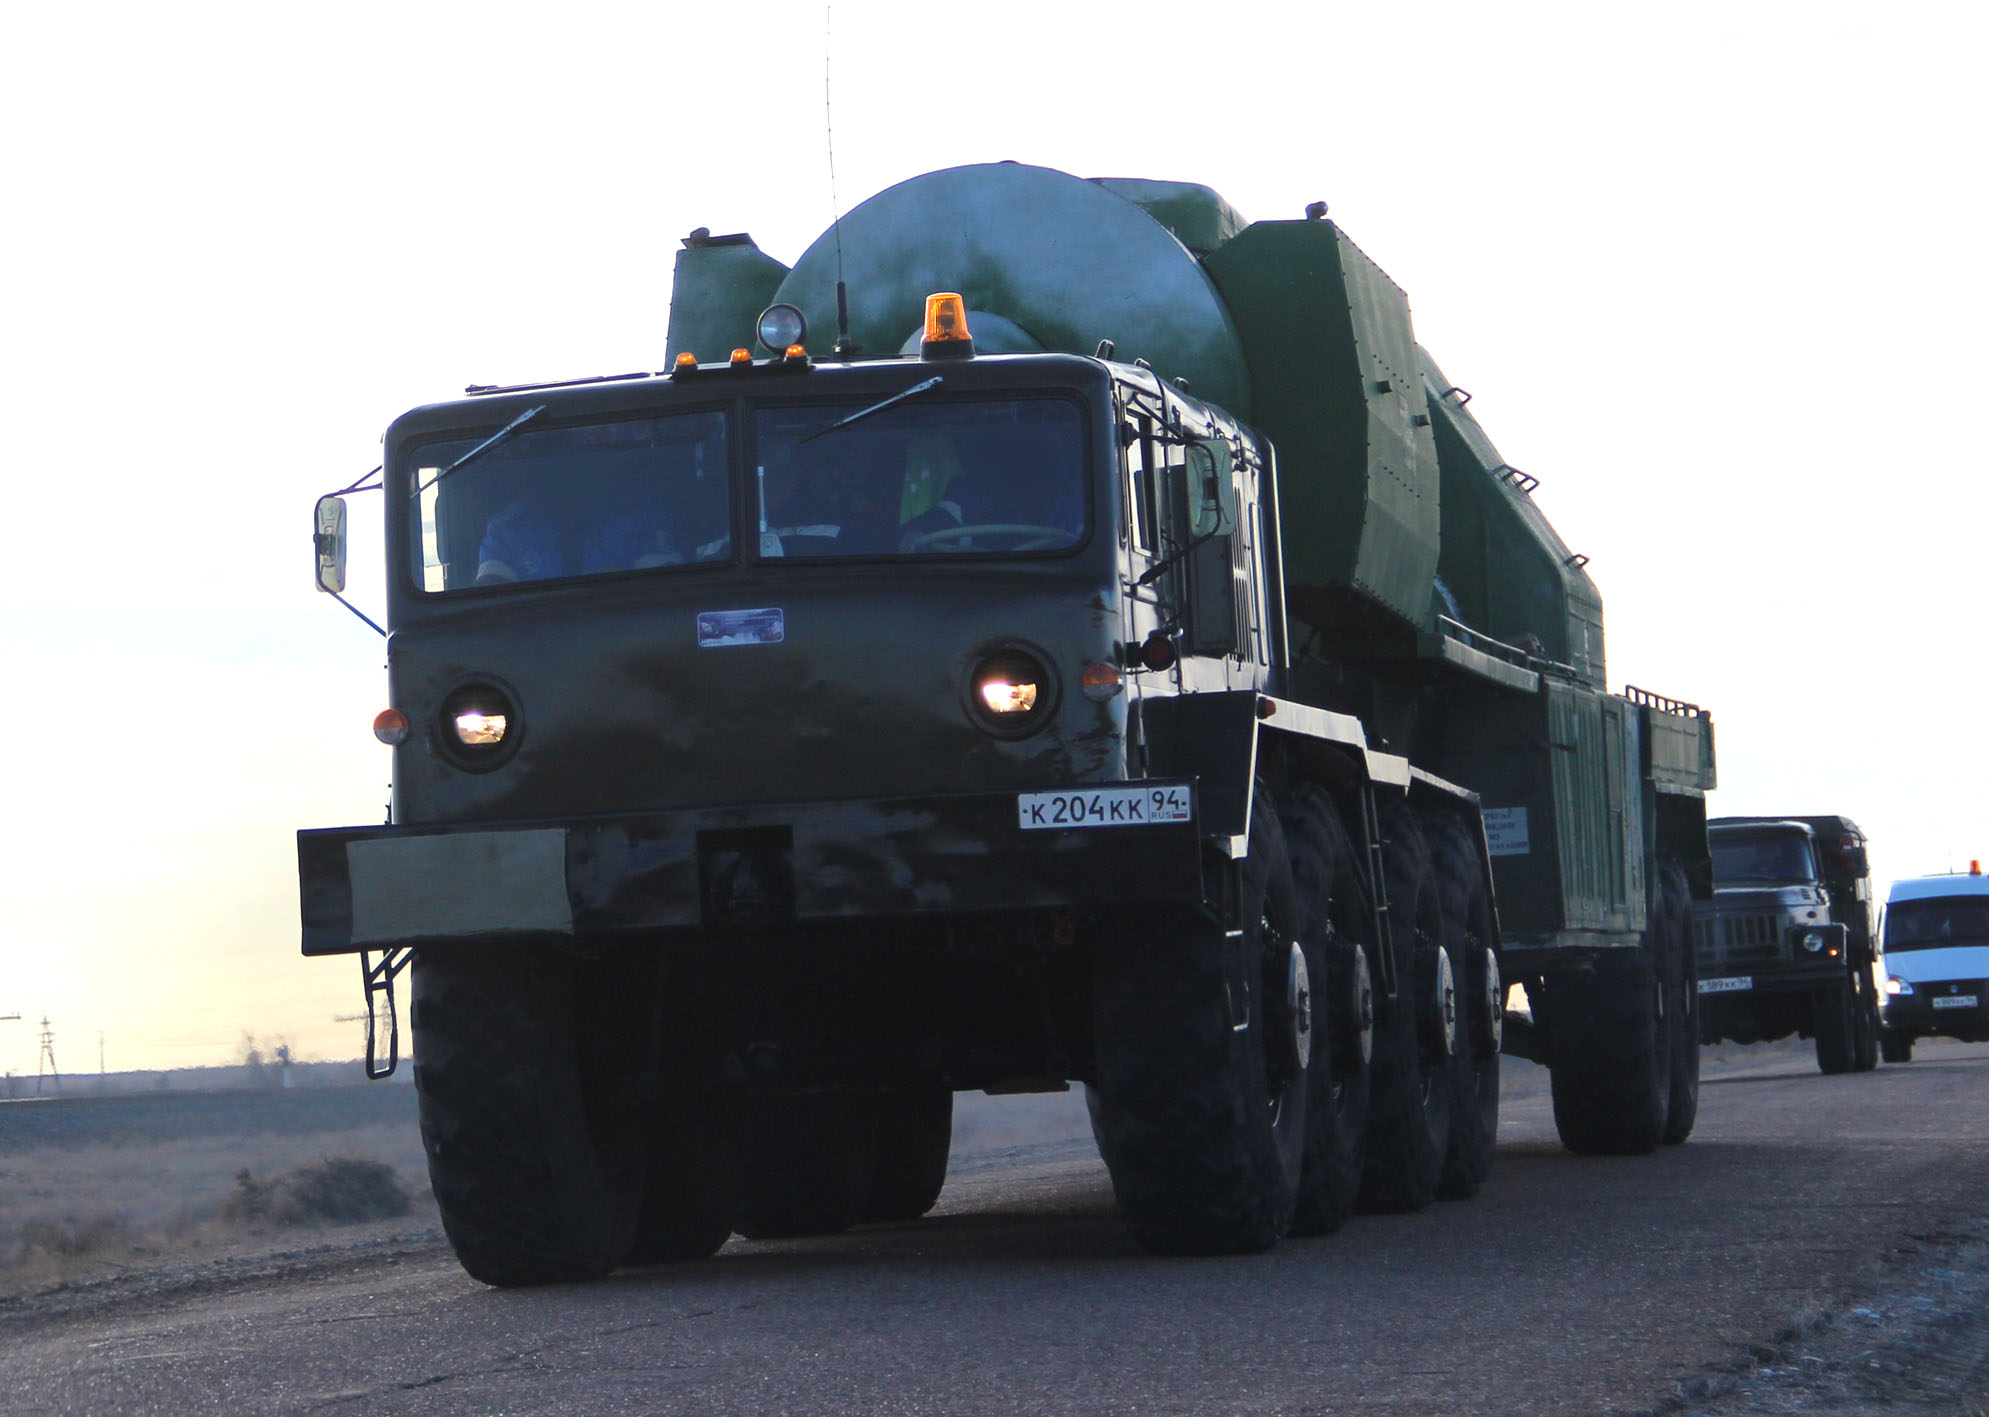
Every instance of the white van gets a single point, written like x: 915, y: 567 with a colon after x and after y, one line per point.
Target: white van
x: 1936, y: 961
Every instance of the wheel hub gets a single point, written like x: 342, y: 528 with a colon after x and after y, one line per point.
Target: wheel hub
x: 1352, y: 1034
x: 1436, y: 1003
x: 1488, y: 1006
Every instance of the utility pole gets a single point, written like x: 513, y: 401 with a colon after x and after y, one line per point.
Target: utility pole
x: 45, y: 1064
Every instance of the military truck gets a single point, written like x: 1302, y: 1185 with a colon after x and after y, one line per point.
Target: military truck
x: 1091, y: 643
x: 1788, y: 944
x: 1936, y: 961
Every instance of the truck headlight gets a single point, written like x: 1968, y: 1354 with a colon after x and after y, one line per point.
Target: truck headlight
x: 1896, y: 985
x: 479, y: 724
x: 1813, y: 942
x: 1011, y: 692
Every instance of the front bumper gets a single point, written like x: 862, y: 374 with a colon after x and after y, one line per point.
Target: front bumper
x: 757, y: 867
x: 1958, y: 1008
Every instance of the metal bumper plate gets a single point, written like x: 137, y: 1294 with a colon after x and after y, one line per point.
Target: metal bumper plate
x: 372, y: 887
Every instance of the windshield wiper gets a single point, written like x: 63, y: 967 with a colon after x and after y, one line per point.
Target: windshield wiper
x: 862, y: 413
x: 485, y: 446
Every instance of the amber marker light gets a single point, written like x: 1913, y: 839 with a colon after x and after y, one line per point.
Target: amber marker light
x: 946, y: 332
x: 686, y: 362
x: 390, y: 727
x: 1100, y: 681
x: 742, y: 358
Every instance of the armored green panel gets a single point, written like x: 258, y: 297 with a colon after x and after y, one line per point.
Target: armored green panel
x: 1336, y: 384
x: 1069, y: 261
x: 1511, y: 575
x: 718, y: 293
x: 1680, y: 748
x: 1559, y: 773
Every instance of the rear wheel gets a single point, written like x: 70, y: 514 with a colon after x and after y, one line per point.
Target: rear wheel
x: 1333, y: 905
x: 690, y: 1182
x: 806, y: 1165
x: 914, y: 1137
x: 524, y: 1068
x: 1415, y: 1032
x: 1202, y: 1044
x: 1474, y: 1070
x: 1611, y: 1054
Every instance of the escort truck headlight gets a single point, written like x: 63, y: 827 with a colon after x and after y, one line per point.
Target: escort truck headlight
x: 1813, y: 941
x: 1011, y: 692
x: 1896, y: 985
x: 479, y: 724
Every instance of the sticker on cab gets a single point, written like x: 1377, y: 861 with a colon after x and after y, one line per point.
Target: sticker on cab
x: 1105, y: 807
x: 719, y: 629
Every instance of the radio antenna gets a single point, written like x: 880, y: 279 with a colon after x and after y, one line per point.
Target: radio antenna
x: 844, y: 347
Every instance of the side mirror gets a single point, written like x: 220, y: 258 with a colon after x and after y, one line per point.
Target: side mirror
x: 1211, y: 489
x: 329, y: 521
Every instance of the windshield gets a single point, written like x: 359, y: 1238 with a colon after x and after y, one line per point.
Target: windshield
x: 547, y: 503
x: 1937, y: 923
x: 923, y: 477
x: 1752, y: 857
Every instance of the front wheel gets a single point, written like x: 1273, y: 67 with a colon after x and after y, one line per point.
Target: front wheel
x: 524, y: 1069
x: 1837, y: 1029
x: 1203, y: 1038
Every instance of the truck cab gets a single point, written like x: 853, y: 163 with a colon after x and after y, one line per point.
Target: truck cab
x: 1936, y: 961
x: 1786, y: 945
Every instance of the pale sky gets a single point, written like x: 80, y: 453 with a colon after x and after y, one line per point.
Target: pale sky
x: 1713, y: 272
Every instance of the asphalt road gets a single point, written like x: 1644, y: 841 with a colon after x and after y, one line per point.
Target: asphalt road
x: 1569, y: 1286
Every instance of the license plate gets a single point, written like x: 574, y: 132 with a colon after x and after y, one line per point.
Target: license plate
x: 1105, y: 807
x: 1733, y: 984
x: 1955, y: 1001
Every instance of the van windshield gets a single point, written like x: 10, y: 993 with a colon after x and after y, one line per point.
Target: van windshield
x: 1753, y: 858
x: 1940, y: 922
x: 925, y: 477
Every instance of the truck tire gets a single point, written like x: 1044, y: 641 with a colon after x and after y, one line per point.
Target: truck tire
x: 1611, y: 1054
x: 1867, y: 1015
x: 690, y: 1185
x: 1682, y: 999
x: 1201, y: 1127
x: 523, y: 1073
x: 1836, y: 1026
x: 806, y: 1165
x: 1465, y: 899
x: 1409, y: 1099
x: 1896, y: 1047
x: 914, y: 1137
x: 1333, y: 905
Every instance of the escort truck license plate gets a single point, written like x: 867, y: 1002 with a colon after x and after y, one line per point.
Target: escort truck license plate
x: 1105, y: 807
x: 1955, y: 1001
x: 1733, y: 984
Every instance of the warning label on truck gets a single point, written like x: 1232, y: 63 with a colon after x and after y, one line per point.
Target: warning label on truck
x: 1105, y: 807
x: 1505, y: 831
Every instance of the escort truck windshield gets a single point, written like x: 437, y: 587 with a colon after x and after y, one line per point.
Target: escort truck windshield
x: 1941, y: 922
x: 1745, y: 857
x: 924, y: 477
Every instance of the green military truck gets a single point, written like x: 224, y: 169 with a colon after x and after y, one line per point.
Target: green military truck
x: 1788, y: 943
x: 1132, y: 666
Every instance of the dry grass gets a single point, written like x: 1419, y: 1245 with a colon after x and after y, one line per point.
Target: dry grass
x: 73, y: 1212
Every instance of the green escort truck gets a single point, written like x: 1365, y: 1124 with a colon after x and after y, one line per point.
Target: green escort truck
x: 1055, y: 632
x: 1789, y: 942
